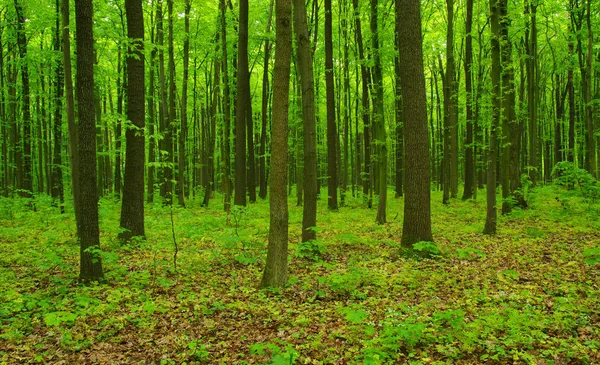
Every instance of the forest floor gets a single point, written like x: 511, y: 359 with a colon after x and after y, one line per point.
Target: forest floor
x: 528, y: 295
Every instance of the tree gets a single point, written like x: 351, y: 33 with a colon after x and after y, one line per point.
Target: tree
x: 469, y: 186
x: 27, y: 186
x: 132, y: 211
x: 417, y: 209
x: 275, y: 273
x: 226, y: 112
x: 70, y: 109
x: 57, y: 175
x: 491, y: 214
x: 305, y: 66
x: 332, y: 134
x: 378, y: 117
x: 184, y: 97
x: 88, y: 228
x: 242, y: 106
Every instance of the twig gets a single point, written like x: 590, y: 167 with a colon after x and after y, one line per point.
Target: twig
x: 174, y: 241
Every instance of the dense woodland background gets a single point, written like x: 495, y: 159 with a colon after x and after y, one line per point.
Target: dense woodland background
x: 162, y: 112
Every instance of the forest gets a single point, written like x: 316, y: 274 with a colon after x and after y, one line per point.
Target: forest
x: 300, y: 182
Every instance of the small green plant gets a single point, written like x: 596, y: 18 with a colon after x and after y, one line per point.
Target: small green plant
x: 312, y: 250
x: 591, y: 256
x: 570, y: 176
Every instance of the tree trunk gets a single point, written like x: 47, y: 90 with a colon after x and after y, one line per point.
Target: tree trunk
x: 226, y: 112
x: 417, y: 209
x: 242, y: 105
x: 57, y: 172
x: 305, y: 65
x: 365, y: 103
x: 379, y: 121
x: 276, y: 267
x: 184, y: 97
x: 332, y: 180
x: 469, y: 161
x: 27, y: 173
x: 169, y: 131
x: 262, y: 174
x: 132, y: 211
x: 491, y: 214
x: 88, y: 229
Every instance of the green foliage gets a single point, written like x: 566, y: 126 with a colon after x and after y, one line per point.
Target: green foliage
x: 571, y: 177
x: 591, y: 256
x: 511, y: 298
x: 312, y: 250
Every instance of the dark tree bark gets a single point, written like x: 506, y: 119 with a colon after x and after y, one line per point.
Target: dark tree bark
x: 27, y: 173
x: 590, y: 151
x: 491, y: 214
x: 364, y: 103
x: 70, y: 109
x: 152, y: 114
x: 469, y: 148
x: 57, y: 173
x: 132, y: 211
x: 88, y: 229
x: 417, y: 209
x: 332, y: 180
x: 166, y: 173
x: 262, y: 173
x: 242, y: 107
x: 171, y: 113
x: 305, y: 65
x: 210, y: 131
x: 184, y: 97
x: 226, y: 112
x: 532, y: 88
x: 450, y: 158
x: 378, y: 119
x: 276, y: 267
x: 571, y: 88
x: 399, y: 114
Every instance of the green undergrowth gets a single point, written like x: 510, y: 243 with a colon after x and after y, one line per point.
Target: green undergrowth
x: 528, y: 295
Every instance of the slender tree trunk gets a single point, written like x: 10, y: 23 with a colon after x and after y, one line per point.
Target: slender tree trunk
x: 184, y: 97
x: 379, y: 120
x: 399, y: 114
x: 262, y: 174
x: 571, y: 88
x: 70, y: 109
x: 27, y: 188
x: 242, y: 104
x: 469, y: 161
x: 276, y: 267
x: 305, y: 65
x: 531, y: 62
x: 332, y: 135
x: 491, y: 214
x: 226, y: 112
x: 88, y: 228
x: 169, y: 132
x: 590, y: 151
x: 57, y: 172
x: 151, y: 115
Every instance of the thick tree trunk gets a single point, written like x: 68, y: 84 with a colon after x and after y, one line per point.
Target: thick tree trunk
x: 132, y: 211
x: 332, y: 180
x: 417, y: 209
x: 276, y: 267
x: 88, y: 229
